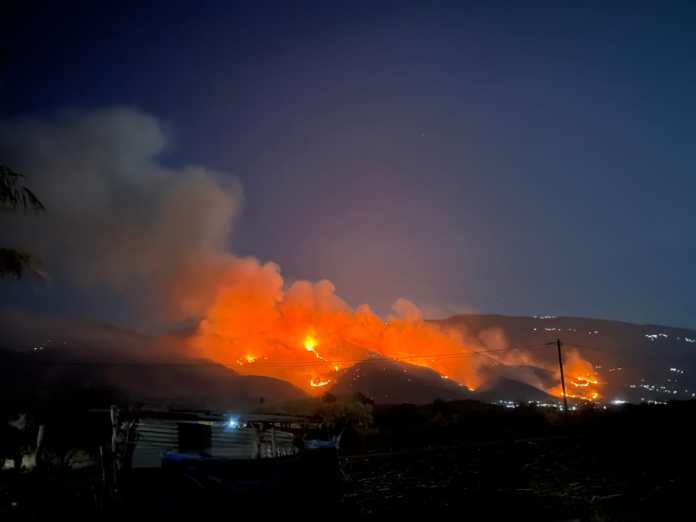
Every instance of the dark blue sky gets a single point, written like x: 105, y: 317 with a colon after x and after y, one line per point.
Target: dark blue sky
x: 516, y: 158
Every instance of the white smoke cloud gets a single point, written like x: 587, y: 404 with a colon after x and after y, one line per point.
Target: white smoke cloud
x: 116, y: 216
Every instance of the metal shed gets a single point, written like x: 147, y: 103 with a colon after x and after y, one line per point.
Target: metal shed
x: 227, y: 436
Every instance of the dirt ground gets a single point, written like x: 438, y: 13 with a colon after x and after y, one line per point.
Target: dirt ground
x: 635, y: 464
x: 559, y: 478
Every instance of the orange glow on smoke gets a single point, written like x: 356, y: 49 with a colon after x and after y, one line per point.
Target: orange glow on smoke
x: 304, y: 333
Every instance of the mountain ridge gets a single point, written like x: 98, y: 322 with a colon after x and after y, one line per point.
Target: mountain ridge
x: 635, y: 361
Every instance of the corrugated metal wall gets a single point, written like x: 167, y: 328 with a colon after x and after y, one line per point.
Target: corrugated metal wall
x: 234, y: 444
x: 154, y: 436
x: 283, y: 442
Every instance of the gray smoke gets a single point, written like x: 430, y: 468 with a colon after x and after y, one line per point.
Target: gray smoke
x: 117, y: 219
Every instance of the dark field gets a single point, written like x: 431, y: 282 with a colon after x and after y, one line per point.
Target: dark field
x: 631, y: 463
x: 543, y: 479
x: 447, y: 459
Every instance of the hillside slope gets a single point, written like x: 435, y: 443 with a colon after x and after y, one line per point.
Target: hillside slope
x: 634, y: 360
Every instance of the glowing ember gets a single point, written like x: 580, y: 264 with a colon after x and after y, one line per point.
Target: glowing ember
x: 310, y: 343
x: 584, y: 381
x: 315, y: 382
x: 247, y: 359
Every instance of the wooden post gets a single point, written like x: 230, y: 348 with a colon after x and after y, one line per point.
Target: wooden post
x: 40, y: 438
x: 114, y: 428
x: 560, y: 364
x: 274, y: 450
x: 105, y: 491
x: 258, y: 432
x: 114, y: 443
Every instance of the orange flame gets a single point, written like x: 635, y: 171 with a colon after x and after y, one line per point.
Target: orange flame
x: 310, y: 343
x: 581, y: 380
x: 305, y: 332
x: 315, y: 382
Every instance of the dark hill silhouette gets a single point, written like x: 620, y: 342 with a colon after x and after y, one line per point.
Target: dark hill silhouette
x: 635, y: 361
x: 396, y: 382
x: 511, y: 390
x: 187, y: 384
x: 626, y: 354
x: 43, y: 358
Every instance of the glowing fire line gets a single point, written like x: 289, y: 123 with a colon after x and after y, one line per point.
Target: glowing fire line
x: 264, y: 342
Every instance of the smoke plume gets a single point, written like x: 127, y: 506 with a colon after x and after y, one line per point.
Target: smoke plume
x: 119, y: 220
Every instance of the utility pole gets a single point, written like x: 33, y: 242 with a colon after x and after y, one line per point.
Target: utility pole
x: 560, y: 364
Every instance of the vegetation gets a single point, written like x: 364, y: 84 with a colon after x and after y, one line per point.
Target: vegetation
x: 336, y: 413
x: 14, y: 196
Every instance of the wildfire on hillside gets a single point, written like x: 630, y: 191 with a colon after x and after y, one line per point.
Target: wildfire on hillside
x: 306, y: 334
x: 581, y: 380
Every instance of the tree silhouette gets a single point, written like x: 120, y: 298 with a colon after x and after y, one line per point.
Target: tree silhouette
x: 15, y: 196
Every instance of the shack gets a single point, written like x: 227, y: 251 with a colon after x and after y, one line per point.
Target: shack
x: 153, y: 435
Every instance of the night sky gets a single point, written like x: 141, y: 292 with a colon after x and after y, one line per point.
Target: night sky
x: 515, y: 158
